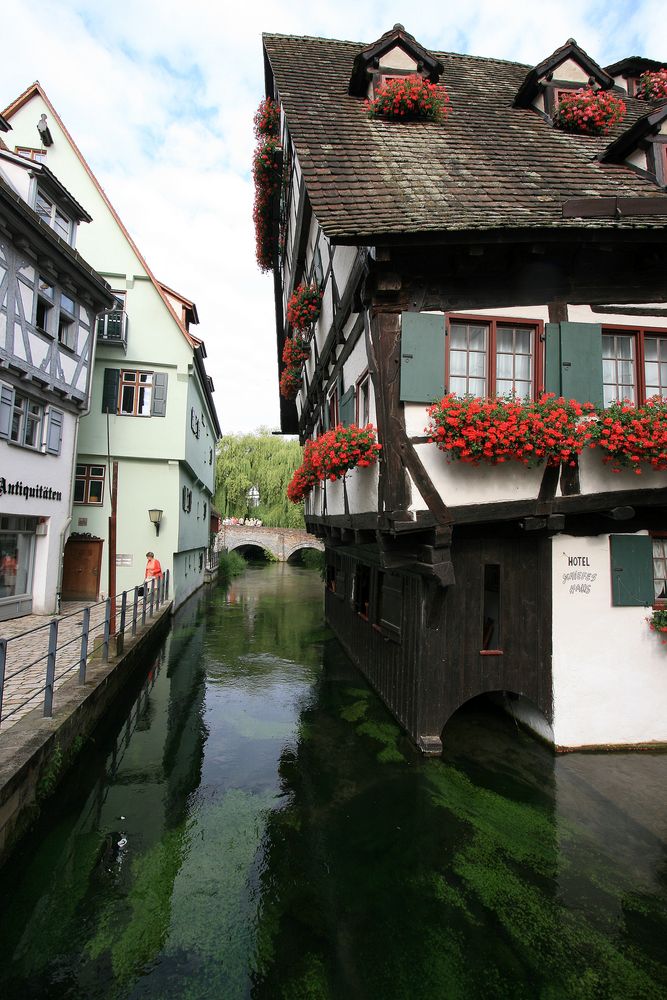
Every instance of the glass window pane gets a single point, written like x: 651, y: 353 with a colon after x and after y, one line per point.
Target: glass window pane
x: 97, y: 470
x: 477, y: 387
x: 626, y: 372
x: 477, y: 364
x: 624, y: 347
x: 95, y: 491
x: 79, y: 490
x: 608, y: 371
x: 523, y: 341
x: 608, y: 347
x: 458, y: 385
x: 144, y: 404
x: 477, y: 338
x: 652, y: 372
x: 127, y: 399
x: 524, y: 390
x: 457, y: 334
x: 504, y: 366
x: 504, y: 387
x: 651, y: 349
x: 46, y: 289
x: 43, y: 207
x: 522, y: 367
x: 505, y: 340
x: 457, y: 363
x: 66, y: 303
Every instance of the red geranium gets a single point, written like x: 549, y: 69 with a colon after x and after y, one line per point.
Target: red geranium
x: 630, y: 434
x: 266, y: 167
x: 331, y: 455
x: 267, y: 118
x: 304, y: 306
x: 653, y: 86
x: 473, y: 430
x: 591, y: 112
x: 407, y: 97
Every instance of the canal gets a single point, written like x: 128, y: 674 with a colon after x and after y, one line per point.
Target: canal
x: 253, y: 824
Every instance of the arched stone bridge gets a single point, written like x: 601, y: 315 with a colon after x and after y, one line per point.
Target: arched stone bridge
x: 283, y: 543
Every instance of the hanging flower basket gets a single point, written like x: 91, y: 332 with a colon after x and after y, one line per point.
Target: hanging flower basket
x: 409, y: 97
x: 290, y: 382
x: 588, y: 111
x: 267, y: 118
x: 653, y: 86
x: 304, y: 307
x: 630, y: 435
x: 331, y: 455
x: 547, y: 430
x: 295, y: 352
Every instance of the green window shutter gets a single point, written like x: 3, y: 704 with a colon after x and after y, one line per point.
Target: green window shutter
x: 6, y: 409
x: 631, y: 570
x: 159, y: 402
x: 573, y: 361
x: 110, y: 390
x: 347, y: 407
x: 422, y: 357
x: 54, y: 431
x: 552, y: 381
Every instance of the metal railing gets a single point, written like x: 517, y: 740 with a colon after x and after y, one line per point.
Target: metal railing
x: 101, y: 623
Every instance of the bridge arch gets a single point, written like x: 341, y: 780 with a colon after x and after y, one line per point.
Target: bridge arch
x: 245, y: 545
x: 525, y: 712
x: 281, y: 543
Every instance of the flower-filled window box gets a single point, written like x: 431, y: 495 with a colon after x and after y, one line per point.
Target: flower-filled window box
x: 304, y: 307
x: 331, y: 456
x: 652, y: 86
x: 290, y: 382
x: 588, y: 111
x: 472, y: 430
x: 409, y: 97
x: 631, y: 435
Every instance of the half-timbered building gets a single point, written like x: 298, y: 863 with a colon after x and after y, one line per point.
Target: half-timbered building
x: 152, y: 416
x: 49, y: 299
x: 487, y: 254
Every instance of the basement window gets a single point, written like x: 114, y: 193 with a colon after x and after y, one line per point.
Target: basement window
x: 362, y: 590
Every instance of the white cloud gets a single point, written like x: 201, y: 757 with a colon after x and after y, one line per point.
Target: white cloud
x: 160, y: 99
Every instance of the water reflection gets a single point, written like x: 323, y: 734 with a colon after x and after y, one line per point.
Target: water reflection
x: 255, y: 825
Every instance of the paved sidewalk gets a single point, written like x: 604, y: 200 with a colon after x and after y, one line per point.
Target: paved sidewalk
x: 27, y: 646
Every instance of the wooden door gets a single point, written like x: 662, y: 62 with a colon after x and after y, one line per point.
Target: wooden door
x: 82, y: 564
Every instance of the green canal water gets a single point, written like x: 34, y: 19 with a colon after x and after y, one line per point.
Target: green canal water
x: 253, y: 824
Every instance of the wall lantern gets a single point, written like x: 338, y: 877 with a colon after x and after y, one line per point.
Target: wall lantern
x: 155, y: 516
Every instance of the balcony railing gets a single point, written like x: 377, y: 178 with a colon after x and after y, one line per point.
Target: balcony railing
x: 112, y: 328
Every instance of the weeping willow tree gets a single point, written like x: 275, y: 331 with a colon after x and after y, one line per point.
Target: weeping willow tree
x: 261, y: 462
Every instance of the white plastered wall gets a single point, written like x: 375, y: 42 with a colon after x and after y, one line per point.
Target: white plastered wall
x: 609, y: 669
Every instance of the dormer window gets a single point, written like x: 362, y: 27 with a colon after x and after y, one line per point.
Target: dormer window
x: 53, y: 216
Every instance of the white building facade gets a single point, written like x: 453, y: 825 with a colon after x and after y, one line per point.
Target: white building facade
x: 152, y: 415
x: 49, y: 299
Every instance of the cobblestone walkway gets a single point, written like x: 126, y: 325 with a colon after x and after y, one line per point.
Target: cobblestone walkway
x: 27, y: 646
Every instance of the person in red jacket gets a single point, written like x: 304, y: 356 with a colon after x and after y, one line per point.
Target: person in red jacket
x: 153, y: 568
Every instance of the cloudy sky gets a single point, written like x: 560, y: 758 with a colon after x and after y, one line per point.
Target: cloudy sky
x: 160, y: 96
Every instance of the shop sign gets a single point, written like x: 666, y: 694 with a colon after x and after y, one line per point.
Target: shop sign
x: 21, y: 489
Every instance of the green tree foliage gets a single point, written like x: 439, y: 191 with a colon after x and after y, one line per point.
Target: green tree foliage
x: 262, y: 460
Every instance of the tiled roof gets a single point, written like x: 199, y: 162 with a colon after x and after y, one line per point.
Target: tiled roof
x: 489, y: 166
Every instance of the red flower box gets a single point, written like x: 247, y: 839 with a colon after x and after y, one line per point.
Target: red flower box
x: 588, y: 111
x: 331, y: 455
x: 653, y: 86
x: 630, y: 435
x: 410, y: 97
x: 304, y: 306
